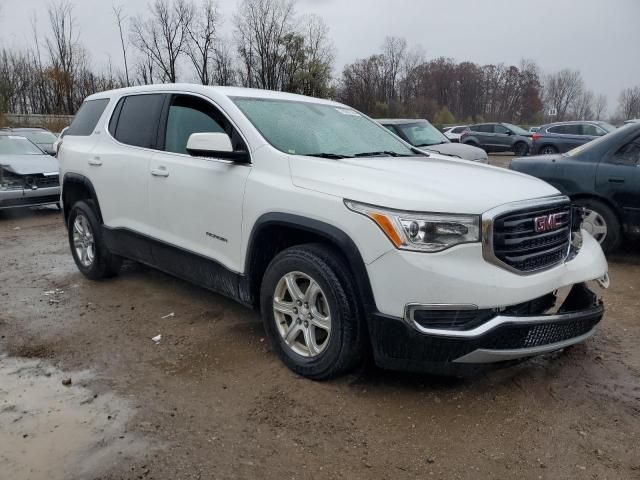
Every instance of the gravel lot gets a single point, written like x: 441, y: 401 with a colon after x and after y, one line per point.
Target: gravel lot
x: 209, y: 400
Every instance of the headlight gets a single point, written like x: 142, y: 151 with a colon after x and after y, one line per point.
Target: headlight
x: 421, y: 232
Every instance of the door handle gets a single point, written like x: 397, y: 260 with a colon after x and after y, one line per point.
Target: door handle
x: 160, y: 172
x: 616, y: 180
x: 95, y: 162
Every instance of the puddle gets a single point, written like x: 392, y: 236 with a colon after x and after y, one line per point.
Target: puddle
x: 51, y: 431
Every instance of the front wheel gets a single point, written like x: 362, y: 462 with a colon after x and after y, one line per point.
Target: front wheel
x: 602, y: 223
x: 92, y: 257
x: 548, y: 150
x: 310, y: 312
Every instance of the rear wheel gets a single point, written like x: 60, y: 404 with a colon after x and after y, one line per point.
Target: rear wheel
x: 92, y: 257
x: 310, y: 312
x: 602, y: 223
x: 548, y: 150
x: 520, y: 149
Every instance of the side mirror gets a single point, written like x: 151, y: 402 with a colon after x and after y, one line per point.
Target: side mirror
x: 216, y: 145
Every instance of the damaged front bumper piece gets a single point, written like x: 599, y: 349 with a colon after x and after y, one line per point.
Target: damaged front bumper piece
x: 448, y: 338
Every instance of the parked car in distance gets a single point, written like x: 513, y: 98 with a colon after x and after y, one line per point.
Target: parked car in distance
x: 534, y: 129
x: 453, y: 133
x: 635, y: 120
x: 325, y: 222
x: 603, y: 177
x: 564, y: 136
x: 28, y: 176
x: 498, y: 137
x: 421, y: 134
x: 58, y: 142
x: 42, y: 137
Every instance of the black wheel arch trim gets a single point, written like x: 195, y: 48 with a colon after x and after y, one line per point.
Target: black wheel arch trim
x: 326, y: 231
x: 71, y: 177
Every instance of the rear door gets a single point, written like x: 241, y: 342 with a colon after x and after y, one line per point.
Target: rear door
x: 502, y: 138
x: 195, y: 202
x: 120, y: 166
x: 618, y: 178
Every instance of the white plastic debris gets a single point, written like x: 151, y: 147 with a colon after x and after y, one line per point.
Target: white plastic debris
x: 169, y: 315
x: 157, y: 338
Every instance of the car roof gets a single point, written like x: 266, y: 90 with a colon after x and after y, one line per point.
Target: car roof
x: 23, y: 129
x: 211, y: 91
x: 574, y: 122
x: 400, y: 121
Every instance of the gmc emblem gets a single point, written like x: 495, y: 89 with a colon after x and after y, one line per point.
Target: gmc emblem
x: 547, y: 223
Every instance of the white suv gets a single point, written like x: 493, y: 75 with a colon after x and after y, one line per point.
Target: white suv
x: 347, y: 239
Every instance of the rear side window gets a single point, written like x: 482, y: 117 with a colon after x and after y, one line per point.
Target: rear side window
x: 482, y: 128
x: 500, y: 129
x: 87, y: 117
x: 575, y: 129
x: 593, y: 130
x: 135, y: 120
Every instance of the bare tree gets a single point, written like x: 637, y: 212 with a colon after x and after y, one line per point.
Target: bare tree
x: 600, y: 106
x: 202, y: 36
x: 223, y: 72
x: 583, y: 106
x: 162, y: 38
x: 120, y: 18
x: 561, y: 90
x: 629, y: 103
x: 262, y: 27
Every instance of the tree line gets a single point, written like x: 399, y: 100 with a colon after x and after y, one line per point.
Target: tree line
x: 274, y: 47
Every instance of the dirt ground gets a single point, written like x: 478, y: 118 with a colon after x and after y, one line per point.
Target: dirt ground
x: 209, y: 400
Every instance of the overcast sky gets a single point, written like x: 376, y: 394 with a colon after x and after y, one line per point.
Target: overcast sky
x: 601, y: 38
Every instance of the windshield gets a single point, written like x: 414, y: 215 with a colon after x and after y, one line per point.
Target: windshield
x: 607, y: 127
x: 306, y: 128
x: 516, y: 129
x: 422, y: 134
x: 38, y: 136
x: 12, y: 145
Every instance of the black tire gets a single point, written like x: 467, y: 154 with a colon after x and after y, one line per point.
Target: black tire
x: 104, y: 263
x: 614, y: 229
x: 548, y: 150
x: 520, y: 149
x: 346, y: 342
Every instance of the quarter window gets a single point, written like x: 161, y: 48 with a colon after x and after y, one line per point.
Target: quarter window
x: 135, y: 120
x: 592, y: 130
x: 501, y: 129
x: 87, y: 117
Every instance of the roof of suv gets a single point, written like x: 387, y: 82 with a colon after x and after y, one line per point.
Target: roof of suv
x: 209, y: 90
x: 574, y: 122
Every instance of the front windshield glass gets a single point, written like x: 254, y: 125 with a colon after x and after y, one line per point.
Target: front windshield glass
x: 516, y: 129
x: 422, y: 134
x: 12, y: 145
x: 306, y: 128
x: 37, y: 136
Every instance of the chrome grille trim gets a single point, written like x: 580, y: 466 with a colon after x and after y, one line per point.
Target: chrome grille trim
x: 488, y: 222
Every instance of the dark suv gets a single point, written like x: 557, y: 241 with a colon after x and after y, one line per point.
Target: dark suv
x: 562, y: 137
x: 498, y: 137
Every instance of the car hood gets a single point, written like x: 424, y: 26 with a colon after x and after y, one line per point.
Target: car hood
x: 466, y: 152
x: 29, y: 164
x: 431, y: 184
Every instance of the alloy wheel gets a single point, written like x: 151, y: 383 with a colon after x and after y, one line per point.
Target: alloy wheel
x: 302, y: 316
x: 83, y: 241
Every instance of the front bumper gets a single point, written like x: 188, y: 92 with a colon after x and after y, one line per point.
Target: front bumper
x: 28, y: 197
x: 511, y: 334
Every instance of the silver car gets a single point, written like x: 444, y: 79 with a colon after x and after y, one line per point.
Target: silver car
x: 421, y: 134
x: 28, y: 176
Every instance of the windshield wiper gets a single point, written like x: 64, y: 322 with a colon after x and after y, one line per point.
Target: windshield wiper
x: 429, y: 144
x: 384, y: 152
x: 334, y: 156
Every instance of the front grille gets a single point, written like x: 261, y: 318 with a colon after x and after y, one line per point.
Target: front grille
x: 517, y: 244
x: 47, y: 181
